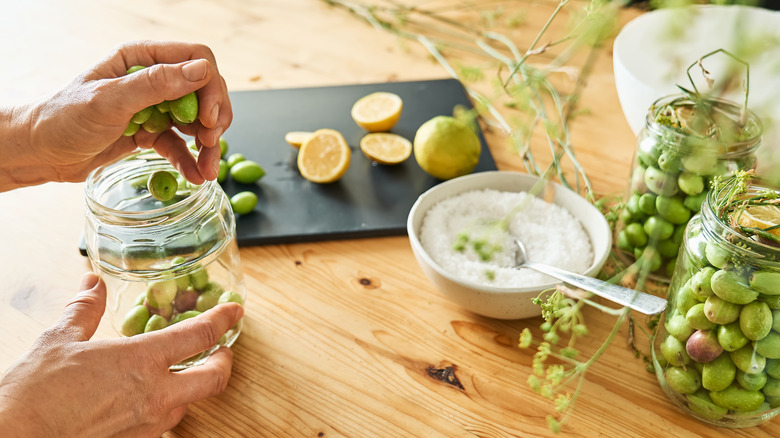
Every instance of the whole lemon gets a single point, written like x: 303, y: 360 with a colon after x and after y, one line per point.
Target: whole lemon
x: 446, y: 147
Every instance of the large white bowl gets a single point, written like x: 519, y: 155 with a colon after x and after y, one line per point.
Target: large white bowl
x: 502, y: 302
x: 652, y: 52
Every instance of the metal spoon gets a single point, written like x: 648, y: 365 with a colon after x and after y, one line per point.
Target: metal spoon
x: 639, y: 301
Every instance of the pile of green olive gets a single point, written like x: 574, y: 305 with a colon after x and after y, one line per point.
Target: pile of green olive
x: 167, y: 302
x: 157, y: 118
x: 722, y: 348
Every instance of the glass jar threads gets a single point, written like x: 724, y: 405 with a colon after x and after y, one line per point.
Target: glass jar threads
x: 162, y: 261
x: 684, y: 145
x: 717, y: 350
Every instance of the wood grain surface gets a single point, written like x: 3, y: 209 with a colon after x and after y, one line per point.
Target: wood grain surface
x: 342, y: 338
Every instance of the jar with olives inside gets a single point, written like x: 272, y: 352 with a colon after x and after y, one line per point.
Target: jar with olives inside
x: 687, y: 141
x: 717, y: 350
x: 165, y: 248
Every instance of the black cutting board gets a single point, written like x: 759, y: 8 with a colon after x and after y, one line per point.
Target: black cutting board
x: 370, y: 200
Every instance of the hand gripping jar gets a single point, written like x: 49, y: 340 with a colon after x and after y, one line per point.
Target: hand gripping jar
x: 717, y: 349
x: 680, y: 150
x: 162, y: 262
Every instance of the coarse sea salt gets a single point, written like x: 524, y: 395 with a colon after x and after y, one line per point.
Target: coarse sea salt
x: 551, y: 234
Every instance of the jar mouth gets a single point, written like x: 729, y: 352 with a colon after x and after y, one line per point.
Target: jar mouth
x: 730, y: 147
x: 109, y: 192
x: 743, y: 246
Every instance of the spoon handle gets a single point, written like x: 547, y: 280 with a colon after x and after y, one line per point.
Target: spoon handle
x: 639, y: 301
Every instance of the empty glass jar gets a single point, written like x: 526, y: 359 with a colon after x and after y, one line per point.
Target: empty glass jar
x: 162, y: 262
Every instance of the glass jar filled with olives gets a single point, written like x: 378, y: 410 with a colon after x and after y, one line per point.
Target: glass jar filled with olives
x: 717, y: 350
x: 165, y: 249
x: 687, y: 141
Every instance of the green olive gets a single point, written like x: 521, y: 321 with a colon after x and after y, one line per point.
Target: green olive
x: 156, y: 322
x: 246, y: 172
x: 223, y: 147
x: 199, y: 279
x: 683, y: 380
x: 243, y: 202
x: 157, y: 122
x: 737, y: 399
x: 658, y: 228
x: 701, y: 403
x: 678, y: 327
x: 755, y: 320
x: 730, y: 286
x: 135, y: 321
x: 208, y: 299
x: 694, y: 202
x: 647, y: 203
x: 672, y: 209
x: 223, y: 171
x: 674, y: 352
x: 718, y: 374
x: 747, y: 360
x: 661, y: 183
x: 690, y: 183
x: 131, y: 129
x: 162, y: 185
x: 730, y: 337
x: 186, y: 315
x: 766, y: 282
x: 135, y: 68
x: 185, y: 108
x: 751, y: 382
x: 669, y: 161
x: 161, y: 293
x: 234, y: 159
x: 164, y: 106
x: 230, y: 297
x: 142, y: 116
x: 697, y: 319
x: 701, y: 282
x: 769, y: 345
x: 636, y: 235
x: 721, y: 311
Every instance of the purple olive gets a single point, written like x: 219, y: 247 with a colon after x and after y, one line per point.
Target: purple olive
x: 703, y: 346
x: 185, y: 300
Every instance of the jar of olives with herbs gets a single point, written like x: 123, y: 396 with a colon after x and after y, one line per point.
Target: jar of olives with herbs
x: 717, y: 349
x: 687, y: 141
x: 165, y: 248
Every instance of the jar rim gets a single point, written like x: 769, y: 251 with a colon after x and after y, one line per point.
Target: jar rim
x: 732, y: 148
x: 100, y: 180
x: 744, y: 246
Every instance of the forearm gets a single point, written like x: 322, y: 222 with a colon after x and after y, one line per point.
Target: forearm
x: 19, y: 164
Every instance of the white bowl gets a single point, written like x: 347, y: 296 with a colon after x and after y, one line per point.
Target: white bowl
x: 502, y: 302
x: 653, y: 51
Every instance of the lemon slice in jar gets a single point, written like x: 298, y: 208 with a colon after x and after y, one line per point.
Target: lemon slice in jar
x: 763, y: 217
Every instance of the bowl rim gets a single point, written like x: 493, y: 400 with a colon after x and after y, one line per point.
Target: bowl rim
x: 593, y: 269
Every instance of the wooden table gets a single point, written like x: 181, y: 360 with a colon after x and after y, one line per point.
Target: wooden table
x: 342, y: 338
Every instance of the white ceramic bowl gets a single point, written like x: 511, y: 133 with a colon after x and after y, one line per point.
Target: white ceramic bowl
x: 502, y: 302
x: 652, y: 52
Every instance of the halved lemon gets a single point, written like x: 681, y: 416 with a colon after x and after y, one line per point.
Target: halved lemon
x: 324, y: 156
x: 377, y: 111
x: 296, y: 138
x: 386, y: 148
x: 763, y: 217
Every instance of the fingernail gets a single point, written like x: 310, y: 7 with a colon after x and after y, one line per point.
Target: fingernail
x: 215, y: 113
x: 196, y: 70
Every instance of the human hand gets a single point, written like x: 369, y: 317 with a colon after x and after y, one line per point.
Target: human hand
x: 70, y: 386
x: 81, y: 126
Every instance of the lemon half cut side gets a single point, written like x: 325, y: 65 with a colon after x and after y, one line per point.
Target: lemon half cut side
x: 324, y: 156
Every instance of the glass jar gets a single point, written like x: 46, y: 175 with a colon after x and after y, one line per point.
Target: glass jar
x: 162, y: 262
x: 678, y: 153
x: 717, y: 349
